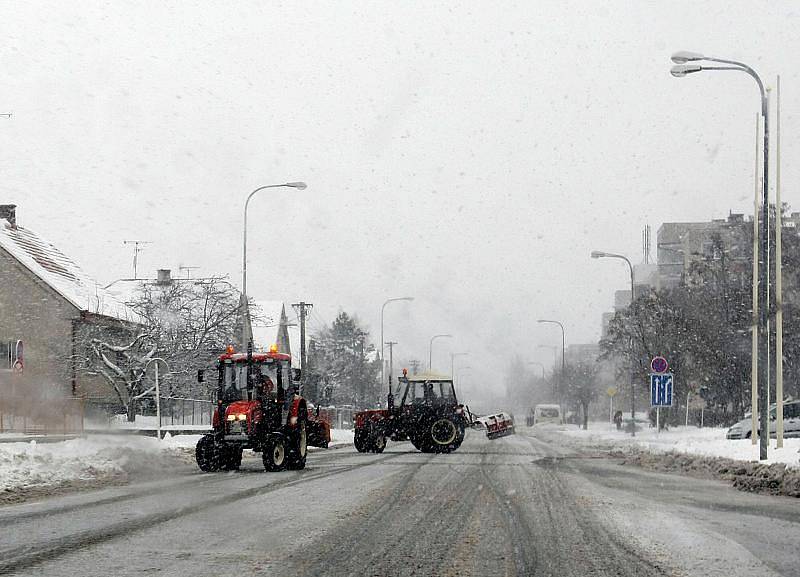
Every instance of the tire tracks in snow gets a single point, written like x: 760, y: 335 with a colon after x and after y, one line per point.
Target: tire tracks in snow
x: 16, y: 558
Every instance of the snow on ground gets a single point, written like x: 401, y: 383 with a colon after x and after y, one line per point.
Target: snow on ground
x: 98, y: 458
x: 708, y: 442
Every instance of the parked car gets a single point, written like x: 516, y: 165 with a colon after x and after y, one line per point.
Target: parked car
x: 791, y: 423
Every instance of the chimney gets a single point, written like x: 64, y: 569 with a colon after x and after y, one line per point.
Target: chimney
x: 9, y: 212
x: 164, y: 276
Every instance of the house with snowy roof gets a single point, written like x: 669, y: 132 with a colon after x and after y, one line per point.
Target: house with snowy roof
x: 47, y: 305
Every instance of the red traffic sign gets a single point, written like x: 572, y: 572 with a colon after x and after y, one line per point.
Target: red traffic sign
x: 659, y: 365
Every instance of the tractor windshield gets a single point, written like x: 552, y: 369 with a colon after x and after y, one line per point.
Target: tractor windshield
x: 234, y: 380
x: 430, y: 393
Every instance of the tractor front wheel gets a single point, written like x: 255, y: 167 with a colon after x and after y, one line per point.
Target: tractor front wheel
x: 209, y: 454
x: 274, y: 454
x: 378, y: 443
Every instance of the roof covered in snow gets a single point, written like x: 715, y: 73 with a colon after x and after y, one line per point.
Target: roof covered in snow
x: 61, y: 274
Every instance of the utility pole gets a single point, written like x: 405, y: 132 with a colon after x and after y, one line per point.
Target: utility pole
x: 302, y: 309
x: 390, y: 344
x: 136, y: 251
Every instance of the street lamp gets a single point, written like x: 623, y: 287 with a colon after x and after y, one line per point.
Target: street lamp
x: 246, y: 304
x: 540, y: 365
x: 430, y: 349
x: 563, y: 351
x: 383, y: 344
x: 453, y: 362
x: 158, y: 391
x: 457, y: 378
x: 681, y: 69
x: 600, y: 254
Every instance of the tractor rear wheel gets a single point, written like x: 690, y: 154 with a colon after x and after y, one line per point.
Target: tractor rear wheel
x: 274, y: 454
x: 209, y: 454
x: 443, y: 432
x: 232, y: 458
x: 296, y: 459
x: 361, y: 440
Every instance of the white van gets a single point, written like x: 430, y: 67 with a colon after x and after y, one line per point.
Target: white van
x: 547, y: 414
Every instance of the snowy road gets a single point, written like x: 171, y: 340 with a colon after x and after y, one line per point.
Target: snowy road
x: 514, y: 506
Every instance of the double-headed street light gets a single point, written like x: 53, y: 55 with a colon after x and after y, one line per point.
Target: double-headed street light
x: 689, y: 63
x: 600, y: 254
x: 245, y: 303
x: 383, y: 343
x: 430, y: 348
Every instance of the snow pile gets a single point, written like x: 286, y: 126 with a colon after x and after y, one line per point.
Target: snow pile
x: 707, y: 442
x: 92, y: 459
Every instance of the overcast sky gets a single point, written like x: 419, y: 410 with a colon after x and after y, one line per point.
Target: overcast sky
x: 468, y: 154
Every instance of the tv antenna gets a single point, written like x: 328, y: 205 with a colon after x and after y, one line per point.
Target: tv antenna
x: 188, y: 269
x: 136, y: 250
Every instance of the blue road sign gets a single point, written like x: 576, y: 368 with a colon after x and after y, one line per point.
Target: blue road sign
x: 661, y: 389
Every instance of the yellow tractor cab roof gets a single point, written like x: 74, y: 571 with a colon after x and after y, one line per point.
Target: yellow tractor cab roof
x: 429, y: 376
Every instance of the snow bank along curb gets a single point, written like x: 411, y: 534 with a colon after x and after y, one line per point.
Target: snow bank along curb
x: 774, y: 479
x: 698, y: 452
x: 35, y: 468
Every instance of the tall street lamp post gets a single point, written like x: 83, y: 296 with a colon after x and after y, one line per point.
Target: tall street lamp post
x: 688, y: 63
x: 563, y: 355
x: 600, y: 254
x: 453, y: 362
x: 540, y: 365
x: 430, y: 349
x: 245, y: 303
x: 383, y: 343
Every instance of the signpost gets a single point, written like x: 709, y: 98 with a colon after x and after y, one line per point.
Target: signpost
x: 661, y: 385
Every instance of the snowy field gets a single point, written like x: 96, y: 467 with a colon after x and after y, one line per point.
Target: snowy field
x: 96, y: 459
x: 708, y: 442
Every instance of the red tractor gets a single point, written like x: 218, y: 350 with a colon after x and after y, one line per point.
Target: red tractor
x: 256, y: 411
x: 429, y: 415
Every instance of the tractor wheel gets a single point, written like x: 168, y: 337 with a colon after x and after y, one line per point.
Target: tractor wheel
x: 274, y: 454
x: 361, y: 440
x: 422, y: 442
x: 296, y: 458
x: 209, y: 454
x: 443, y: 432
x: 232, y: 458
x: 378, y: 443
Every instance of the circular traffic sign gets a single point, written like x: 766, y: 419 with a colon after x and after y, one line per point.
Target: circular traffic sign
x: 659, y: 365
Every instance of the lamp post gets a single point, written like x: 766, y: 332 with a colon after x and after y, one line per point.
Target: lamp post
x: 453, y: 362
x: 245, y: 303
x: 430, y: 348
x: 563, y: 354
x: 688, y: 63
x: 540, y: 365
x: 600, y: 254
x: 555, y: 366
x: 383, y: 344
x: 158, y: 392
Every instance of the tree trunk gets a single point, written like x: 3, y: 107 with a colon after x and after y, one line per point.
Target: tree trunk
x: 131, y: 410
x: 585, y: 407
